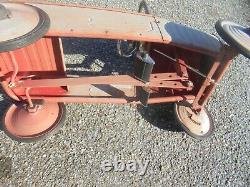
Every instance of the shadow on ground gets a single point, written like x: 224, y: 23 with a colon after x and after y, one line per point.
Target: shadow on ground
x: 160, y: 116
x: 98, y: 52
x: 4, y: 104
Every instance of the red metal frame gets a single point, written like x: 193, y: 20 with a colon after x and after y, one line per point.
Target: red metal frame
x: 38, y: 71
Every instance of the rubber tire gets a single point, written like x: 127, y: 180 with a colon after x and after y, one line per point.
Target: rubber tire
x: 225, y: 34
x: 38, y: 32
x: 59, y: 123
x: 198, y: 137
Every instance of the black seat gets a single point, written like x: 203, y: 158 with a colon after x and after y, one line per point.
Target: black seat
x: 192, y: 39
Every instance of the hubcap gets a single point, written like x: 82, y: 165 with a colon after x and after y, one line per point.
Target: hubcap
x: 22, y: 123
x: 196, y: 122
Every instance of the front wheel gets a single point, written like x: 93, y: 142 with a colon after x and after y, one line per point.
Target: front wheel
x: 198, y: 125
x: 23, y: 125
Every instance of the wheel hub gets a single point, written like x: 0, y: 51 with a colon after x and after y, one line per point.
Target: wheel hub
x: 19, y: 121
x: 196, y: 122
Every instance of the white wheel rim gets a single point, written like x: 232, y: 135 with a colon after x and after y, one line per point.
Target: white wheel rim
x: 198, y: 124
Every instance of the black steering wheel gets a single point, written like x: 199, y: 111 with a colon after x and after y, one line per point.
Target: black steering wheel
x: 235, y: 35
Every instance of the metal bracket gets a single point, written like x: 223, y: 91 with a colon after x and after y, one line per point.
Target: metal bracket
x: 187, y: 66
x: 143, y: 94
x: 143, y: 66
x: 132, y: 48
x: 15, y: 67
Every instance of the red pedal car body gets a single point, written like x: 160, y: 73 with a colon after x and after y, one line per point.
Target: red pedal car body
x: 172, y: 63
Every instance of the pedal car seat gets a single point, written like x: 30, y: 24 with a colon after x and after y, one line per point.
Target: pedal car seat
x: 192, y: 39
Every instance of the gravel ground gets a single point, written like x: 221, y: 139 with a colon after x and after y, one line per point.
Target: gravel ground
x: 93, y: 133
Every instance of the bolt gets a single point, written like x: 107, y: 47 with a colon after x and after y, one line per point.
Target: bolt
x: 188, y: 84
x: 12, y: 84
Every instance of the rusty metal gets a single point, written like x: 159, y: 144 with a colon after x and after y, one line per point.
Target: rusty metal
x: 230, y: 53
x: 44, y: 58
x: 181, y: 68
x: 205, y: 84
x: 182, y: 71
x: 31, y: 105
x: 196, y: 124
x: 123, y: 26
x: 102, y: 90
x: 89, y: 23
x: 116, y: 79
x: 15, y: 68
x: 20, y: 123
x: 180, y: 62
x: 103, y: 100
x: 8, y: 91
x: 196, y: 104
x: 166, y: 76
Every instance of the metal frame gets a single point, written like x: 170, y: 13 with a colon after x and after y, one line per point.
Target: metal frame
x: 38, y: 71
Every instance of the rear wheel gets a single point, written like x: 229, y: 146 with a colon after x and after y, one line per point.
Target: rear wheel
x: 23, y: 125
x: 199, y: 125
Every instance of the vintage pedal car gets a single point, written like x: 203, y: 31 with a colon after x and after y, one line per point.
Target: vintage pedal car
x: 172, y: 63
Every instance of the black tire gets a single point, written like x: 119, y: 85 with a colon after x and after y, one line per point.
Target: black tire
x: 229, y: 32
x: 49, y: 132
x: 38, y: 32
x: 183, y: 126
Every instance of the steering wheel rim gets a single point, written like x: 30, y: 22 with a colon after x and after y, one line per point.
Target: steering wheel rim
x: 19, y: 31
x: 235, y: 35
